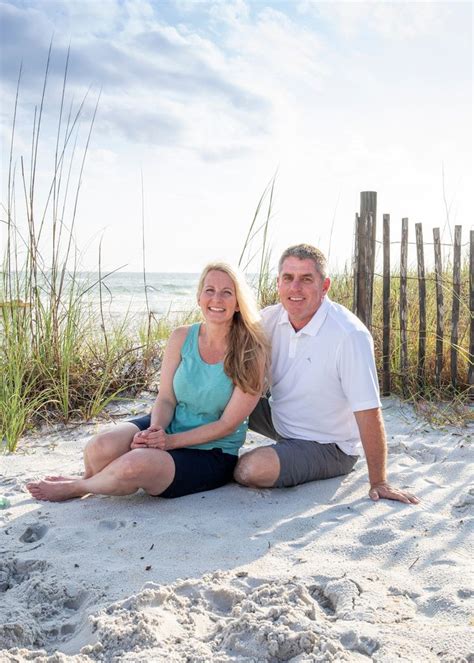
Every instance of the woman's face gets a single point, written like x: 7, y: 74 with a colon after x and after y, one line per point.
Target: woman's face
x: 218, y: 300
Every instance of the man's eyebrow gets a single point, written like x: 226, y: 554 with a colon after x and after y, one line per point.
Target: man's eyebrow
x: 293, y: 274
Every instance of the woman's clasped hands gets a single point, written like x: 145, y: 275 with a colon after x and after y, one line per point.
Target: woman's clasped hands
x: 151, y: 438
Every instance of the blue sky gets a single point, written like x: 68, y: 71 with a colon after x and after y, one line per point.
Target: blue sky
x: 209, y: 99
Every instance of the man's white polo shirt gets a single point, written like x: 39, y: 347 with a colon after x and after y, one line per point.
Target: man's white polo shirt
x: 321, y: 375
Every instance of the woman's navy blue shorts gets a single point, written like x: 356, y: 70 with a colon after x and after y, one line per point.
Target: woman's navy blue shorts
x: 197, y: 470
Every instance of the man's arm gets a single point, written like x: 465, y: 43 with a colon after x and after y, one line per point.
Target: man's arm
x: 372, y: 434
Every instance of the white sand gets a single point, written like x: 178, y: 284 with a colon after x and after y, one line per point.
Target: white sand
x: 314, y: 573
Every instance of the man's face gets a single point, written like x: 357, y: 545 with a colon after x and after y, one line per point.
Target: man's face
x: 301, y: 290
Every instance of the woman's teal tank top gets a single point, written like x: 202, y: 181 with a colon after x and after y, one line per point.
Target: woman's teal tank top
x: 202, y: 392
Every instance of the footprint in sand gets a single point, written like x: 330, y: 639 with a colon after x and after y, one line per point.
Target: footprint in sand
x: 75, y: 602
x: 377, y: 537
x: 111, y: 524
x: 67, y: 629
x: 359, y: 643
x: 465, y: 502
x: 33, y: 533
x: 465, y: 593
x: 317, y: 593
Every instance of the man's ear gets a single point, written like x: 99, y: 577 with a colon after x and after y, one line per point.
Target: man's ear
x: 326, y: 285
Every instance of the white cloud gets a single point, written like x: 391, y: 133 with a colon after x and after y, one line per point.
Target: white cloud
x: 161, y: 84
x: 229, y: 11
x: 391, y: 19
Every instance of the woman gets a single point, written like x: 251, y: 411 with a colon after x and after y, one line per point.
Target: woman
x: 212, y: 376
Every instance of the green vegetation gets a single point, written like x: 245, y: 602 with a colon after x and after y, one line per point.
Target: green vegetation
x: 60, y: 360
x: 342, y: 292
x: 426, y: 388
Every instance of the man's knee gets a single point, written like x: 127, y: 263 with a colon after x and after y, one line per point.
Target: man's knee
x: 244, y: 470
x: 259, y: 468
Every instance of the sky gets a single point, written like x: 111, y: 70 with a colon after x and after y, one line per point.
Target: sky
x: 202, y: 102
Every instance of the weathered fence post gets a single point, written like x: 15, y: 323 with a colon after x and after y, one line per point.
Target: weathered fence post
x: 368, y: 214
x: 355, y: 266
x: 420, y: 260
x: 439, y: 306
x: 362, y: 309
x: 471, y: 308
x: 456, y: 304
x: 404, y: 308
x: 386, y: 386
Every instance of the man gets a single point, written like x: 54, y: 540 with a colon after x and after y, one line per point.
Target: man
x: 324, y: 396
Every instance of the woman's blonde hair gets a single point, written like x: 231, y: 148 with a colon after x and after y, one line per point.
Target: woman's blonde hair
x: 248, y: 349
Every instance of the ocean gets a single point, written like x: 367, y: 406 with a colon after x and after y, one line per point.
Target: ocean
x: 124, y: 292
x: 169, y: 294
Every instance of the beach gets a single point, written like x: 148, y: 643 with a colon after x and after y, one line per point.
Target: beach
x: 314, y: 573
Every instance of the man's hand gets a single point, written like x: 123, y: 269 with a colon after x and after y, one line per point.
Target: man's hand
x: 384, y: 490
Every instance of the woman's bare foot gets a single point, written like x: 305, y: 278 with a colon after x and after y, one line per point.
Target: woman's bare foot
x: 55, y: 491
x: 60, y: 477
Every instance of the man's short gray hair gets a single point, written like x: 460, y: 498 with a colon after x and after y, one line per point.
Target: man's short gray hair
x: 306, y: 252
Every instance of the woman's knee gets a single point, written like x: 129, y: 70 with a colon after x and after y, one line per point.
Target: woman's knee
x: 144, y: 466
x: 133, y: 465
x: 102, y: 444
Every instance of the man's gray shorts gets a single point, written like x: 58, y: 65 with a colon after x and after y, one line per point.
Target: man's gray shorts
x: 300, y: 460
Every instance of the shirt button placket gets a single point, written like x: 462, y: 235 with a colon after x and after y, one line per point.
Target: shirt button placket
x: 292, y: 347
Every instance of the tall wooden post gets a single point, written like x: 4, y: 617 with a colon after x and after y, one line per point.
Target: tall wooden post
x: 355, y: 266
x: 439, y: 306
x: 368, y: 213
x: 471, y: 308
x: 404, y: 308
x: 386, y: 382
x: 362, y: 308
x: 420, y: 260
x: 456, y: 305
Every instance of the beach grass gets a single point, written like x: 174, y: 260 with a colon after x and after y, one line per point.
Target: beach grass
x: 58, y: 359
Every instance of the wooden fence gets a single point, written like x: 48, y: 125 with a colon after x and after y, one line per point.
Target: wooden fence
x: 364, y: 266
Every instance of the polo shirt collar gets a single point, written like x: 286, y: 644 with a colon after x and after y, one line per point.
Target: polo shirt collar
x: 316, y: 322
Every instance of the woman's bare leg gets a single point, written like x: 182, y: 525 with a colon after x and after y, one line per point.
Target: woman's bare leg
x: 150, y: 469
x: 106, y: 446
x: 102, y: 449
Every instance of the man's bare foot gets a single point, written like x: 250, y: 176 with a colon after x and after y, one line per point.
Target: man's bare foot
x: 55, y: 491
x: 60, y: 477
